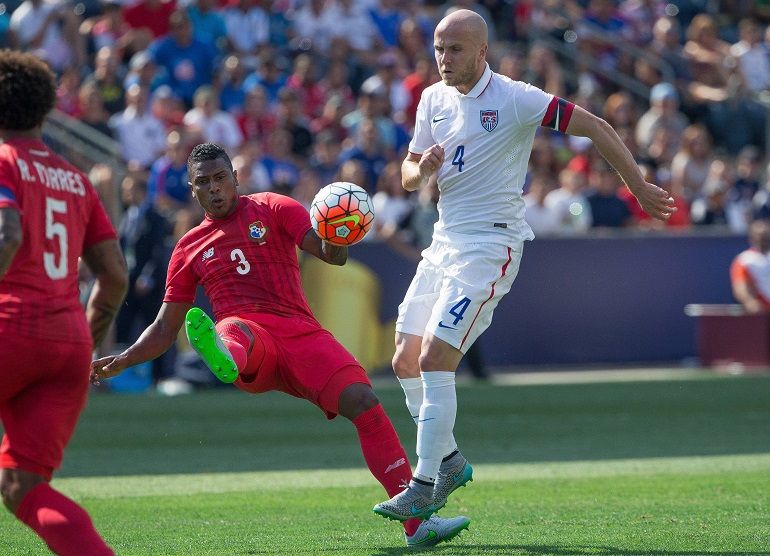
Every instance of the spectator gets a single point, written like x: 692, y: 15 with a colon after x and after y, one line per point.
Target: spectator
x: 666, y: 44
x: 292, y: 119
x: 211, y: 123
x: 541, y: 218
x: 108, y: 80
x: 229, y: 84
x: 712, y: 206
x: 387, y: 80
x: 142, y: 235
x: 269, y: 76
x: 331, y: 120
x: 334, y: 83
x: 415, y: 83
x: 325, y: 159
x: 620, y: 111
x: 747, y: 182
x: 313, y: 26
x: 752, y: 57
x: 140, y: 134
x: 257, y: 121
x: 691, y: 164
x: 168, y: 108
x: 51, y: 31
x: 391, y: 202
x: 91, y: 109
x: 188, y: 62
x: 569, y: 203
x: 208, y: 24
x: 607, y: 209
x: 347, y: 15
x: 248, y: 27
x: 368, y: 150
x: 543, y: 70
x: 750, y: 270
x: 664, y: 110
x: 252, y: 173
x: 142, y: 70
x: 386, y: 17
x: 304, y: 82
x: 167, y: 187
x: 153, y: 16
x: 279, y: 162
x: 67, y: 92
x: 111, y: 29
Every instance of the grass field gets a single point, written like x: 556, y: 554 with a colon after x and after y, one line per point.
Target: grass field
x: 668, y: 468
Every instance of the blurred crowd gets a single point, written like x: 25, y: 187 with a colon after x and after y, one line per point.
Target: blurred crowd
x: 305, y: 92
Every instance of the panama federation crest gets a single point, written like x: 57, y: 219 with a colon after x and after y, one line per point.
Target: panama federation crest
x: 488, y: 119
x: 257, y: 232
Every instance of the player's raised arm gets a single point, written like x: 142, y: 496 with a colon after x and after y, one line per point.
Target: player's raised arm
x: 654, y: 200
x: 153, y: 342
x: 106, y: 262
x: 327, y: 252
x: 416, y: 169
x: 10, y: 237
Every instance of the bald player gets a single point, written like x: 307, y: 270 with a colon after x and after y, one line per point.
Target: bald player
x: 474, y: 130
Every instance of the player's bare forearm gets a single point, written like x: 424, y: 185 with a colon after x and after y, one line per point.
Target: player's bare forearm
x: 108, y: 266
x: 152, y: 343
x: 10, y: 238
x: 327, y: 252
x: 655, y: 201
x: 411, y: 180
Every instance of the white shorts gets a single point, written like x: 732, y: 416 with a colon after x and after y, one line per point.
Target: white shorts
x: 456, y: 289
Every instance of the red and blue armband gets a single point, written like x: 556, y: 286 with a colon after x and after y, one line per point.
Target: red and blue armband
x: 558, y: 114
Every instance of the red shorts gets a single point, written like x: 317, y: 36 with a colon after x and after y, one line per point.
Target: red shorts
x: 300, y: 358
x: 43, y: 389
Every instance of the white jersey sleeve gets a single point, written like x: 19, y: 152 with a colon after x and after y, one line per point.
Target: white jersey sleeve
x: 423, y: 138
x: 530, y: 104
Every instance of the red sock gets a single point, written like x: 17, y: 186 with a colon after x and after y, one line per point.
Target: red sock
x: 64, y: 526
x: 384, y: 454
x: 237, y: 342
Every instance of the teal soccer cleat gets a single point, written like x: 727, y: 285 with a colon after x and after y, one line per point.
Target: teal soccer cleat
x: 206, y: 342
x: 405, y: 505
x: 449, y: 480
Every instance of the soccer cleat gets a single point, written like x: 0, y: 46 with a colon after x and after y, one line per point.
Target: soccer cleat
x: 206, y: 342
x: 435, y: 530
x: 449, y: 480
x: 405, y: 505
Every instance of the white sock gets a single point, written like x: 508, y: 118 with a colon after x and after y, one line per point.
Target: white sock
x: 437, y: 419
x: 413, y: 391
x: 414, y: 396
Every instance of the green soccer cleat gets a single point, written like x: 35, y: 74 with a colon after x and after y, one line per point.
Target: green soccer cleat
x: 449, y: 480
x: 405, y: 505
x: 206, y: 342
x: 435, y: 530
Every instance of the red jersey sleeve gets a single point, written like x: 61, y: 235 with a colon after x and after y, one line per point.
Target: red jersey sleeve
x: 99, y: 227
x: 739, y: 273
x: 181, y: 282
x: 8, y: 180
x: 294, y: 217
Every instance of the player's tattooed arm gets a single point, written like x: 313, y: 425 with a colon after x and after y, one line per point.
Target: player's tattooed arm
x: 327, y: 252
x: 106, y: 262
x: 10, y: 237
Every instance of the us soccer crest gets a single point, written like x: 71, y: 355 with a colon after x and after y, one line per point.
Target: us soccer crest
x: 489, y: 119
x: 257, y: 232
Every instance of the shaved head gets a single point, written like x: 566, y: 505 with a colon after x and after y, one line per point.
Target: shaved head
x: 460, y: 44
x: 466, y: 22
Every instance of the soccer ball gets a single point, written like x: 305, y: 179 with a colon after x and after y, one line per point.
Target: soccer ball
x: 342, y: 213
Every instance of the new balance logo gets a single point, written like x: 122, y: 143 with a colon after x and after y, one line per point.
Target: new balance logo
x: 208, y: 254
x: 398, y: 463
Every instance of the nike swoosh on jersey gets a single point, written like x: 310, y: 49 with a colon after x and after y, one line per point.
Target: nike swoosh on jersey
x: 352, y: 218
x: 442, y: 325
x: 436, y: 119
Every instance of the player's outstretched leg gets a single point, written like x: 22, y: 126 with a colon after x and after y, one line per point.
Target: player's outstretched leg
x: 435, y: 530
x: 455, y: 472
x: 414, y: 501
x: 206, y: 342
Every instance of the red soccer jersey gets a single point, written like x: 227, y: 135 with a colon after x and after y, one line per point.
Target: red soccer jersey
x: 247, y: 262
x: 61, y: 215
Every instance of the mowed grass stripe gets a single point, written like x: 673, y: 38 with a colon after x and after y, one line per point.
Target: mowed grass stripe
x: 212, y: 483
x: 662, y: 514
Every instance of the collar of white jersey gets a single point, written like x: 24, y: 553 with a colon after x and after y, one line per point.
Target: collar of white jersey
x: 480, y: 85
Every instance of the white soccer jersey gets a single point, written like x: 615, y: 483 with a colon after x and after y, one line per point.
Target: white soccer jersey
x: 487, y: 137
